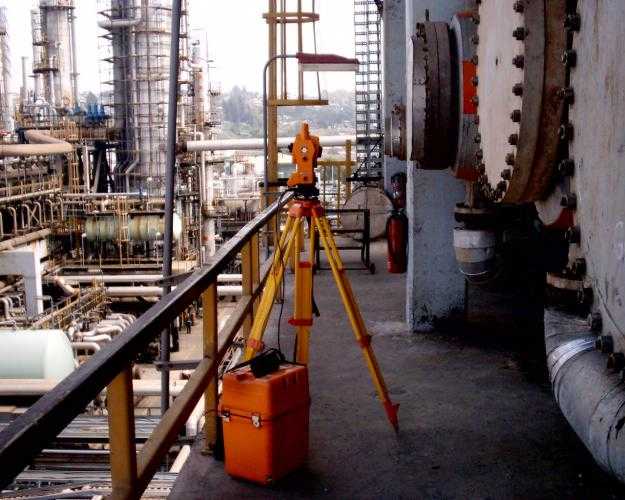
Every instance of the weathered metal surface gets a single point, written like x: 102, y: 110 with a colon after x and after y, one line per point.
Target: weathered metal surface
x: 591, y: 398
x: 464, y: 31
x: 26, y: 436
x: 520, y: 152
x: 497, y: 76
x: 395, y: 133
x: 598, y: 149
x: 552, y: 103
x: 434, y: 104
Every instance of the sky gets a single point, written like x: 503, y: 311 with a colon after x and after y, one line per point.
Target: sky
x: 234, y: 29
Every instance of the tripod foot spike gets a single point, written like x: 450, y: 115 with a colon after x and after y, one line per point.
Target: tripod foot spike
x: 391, y: 413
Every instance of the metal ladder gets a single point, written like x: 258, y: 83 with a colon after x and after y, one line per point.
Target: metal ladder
x: 369, y: 127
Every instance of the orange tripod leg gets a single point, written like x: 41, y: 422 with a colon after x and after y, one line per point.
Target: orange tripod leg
x: 272, y: 286
x: 355, y: 317
x: 302, y: 315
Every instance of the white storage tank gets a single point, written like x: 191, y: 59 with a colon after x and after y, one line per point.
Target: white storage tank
x: 35, y: 354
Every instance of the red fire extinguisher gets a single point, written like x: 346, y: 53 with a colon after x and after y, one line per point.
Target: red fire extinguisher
x: 397, y: 227
x: 397, y: 239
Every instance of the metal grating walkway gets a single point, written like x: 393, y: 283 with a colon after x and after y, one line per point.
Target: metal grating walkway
x: 369, y: 126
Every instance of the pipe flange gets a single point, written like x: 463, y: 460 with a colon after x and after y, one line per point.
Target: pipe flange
x: 520, y: 79
x: 434, y: 99
x: 464, y: 32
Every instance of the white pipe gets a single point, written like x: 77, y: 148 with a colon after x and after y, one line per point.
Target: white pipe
x: 23, y: 240
x: 40, y: 144
x: 86, y: 346
x: 194, y: 422
x: 67, y: 289
x: 7, y: 306
x: 128, y: 171
x: 257, y: 143
x: 38, y: 387
x: 97, y: 338
x: 109, y: 24
x: 130, y: 317
x: 157, y: 291
x: 181, y: 459
x: 136, y: 278
x: 106, y: 329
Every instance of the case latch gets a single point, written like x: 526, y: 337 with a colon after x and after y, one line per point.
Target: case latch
x: 225, y: 414
x: 256, y: 420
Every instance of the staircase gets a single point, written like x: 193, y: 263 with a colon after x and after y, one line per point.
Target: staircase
x: 369, y: 126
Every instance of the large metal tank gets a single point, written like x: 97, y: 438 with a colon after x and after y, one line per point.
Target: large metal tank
x: 140, y: 33
x: 140, y: 228
x: 542, y: 85
x: 35, y: 354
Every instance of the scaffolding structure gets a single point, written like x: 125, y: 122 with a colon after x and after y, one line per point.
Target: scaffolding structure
x: 369, y: 126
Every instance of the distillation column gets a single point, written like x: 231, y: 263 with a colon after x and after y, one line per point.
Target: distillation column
x: 54, y: 54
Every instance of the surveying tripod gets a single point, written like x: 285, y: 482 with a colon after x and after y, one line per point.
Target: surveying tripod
x: 306, y: 150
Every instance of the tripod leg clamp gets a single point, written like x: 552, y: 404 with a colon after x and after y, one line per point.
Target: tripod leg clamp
x: 365, y: 341
x: 300, y: 322
x: 256, y: 345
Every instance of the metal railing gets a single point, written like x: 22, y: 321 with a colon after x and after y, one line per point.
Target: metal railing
x: 110, y: 369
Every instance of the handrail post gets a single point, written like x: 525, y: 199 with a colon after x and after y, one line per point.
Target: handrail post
x: 255, y: 268
x: 247, y: 282
x: 210, y: 346
x: 123, y: 455
x: 348, y: 170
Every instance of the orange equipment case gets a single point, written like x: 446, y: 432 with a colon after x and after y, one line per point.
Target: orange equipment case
x: 265, y: 422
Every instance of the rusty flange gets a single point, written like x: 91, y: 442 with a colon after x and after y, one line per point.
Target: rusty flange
x: 434, y: 102
x: 464, y: 32
x: 521, y: 96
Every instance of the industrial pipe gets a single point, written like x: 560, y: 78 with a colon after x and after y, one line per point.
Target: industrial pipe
x: 136, y: 278
x: 67, y: 289
x: 86, y: 346
x: 256, y: 144
x: 157, y: 291
x: 24, y: 240
x: 591, y: 396
x: 38, y: 387
x: 39, y: 144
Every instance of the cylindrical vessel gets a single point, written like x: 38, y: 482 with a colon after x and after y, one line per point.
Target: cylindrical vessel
x: 140, y: 228
x: 35, y: 354
x: 56, y: 55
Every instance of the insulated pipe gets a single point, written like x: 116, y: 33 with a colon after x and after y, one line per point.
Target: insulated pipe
x: 86, y: 346
x: 157, y: 291
x: 111, y: 24
x: 591, y: 396
x: 38, y: 387
x: 97, y: 338
x: 72, y: 26
x: 256, y: 144
x: 24, y: 240
x: 130, y: 168
x: 39, y: 144
x: 136, y: 278
x: 67, y: 289
x: 7, y: 306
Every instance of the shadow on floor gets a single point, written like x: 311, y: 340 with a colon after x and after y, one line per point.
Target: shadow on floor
x: 477, y: 416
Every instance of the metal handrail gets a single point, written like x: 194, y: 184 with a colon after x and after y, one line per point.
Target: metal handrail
x: 24, y: 438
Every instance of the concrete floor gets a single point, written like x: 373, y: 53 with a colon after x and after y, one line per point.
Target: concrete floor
x: 477, y: 417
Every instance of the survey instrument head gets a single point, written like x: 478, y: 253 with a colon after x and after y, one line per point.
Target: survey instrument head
x: 306, y: 150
